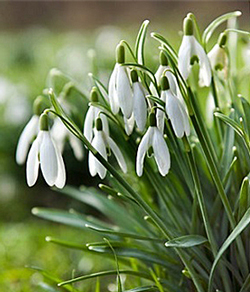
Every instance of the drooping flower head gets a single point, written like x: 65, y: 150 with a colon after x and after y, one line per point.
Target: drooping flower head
x: 153, y: 138
x: 91, y: 116
x: 101, y: 142
x: 45, y: 153
x: 218, y: 56
x: 29, y: 132
x: 120, y: 92
x: 175, y: 110
x: 191, y: 51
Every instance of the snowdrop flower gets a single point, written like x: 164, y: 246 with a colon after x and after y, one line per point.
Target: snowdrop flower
x: 92, y: 114
x: 101, y: 142
x: 175, y: 109
x: 29, y: 133
x: 140, y: 105
x: 218, y: 57
x: 120, y: 92
x: 163, y: 69
x: 153, y: 138
x: 191, y: 51
x: 44, y: 152
x: 129, y: 124
x: 61, y: 134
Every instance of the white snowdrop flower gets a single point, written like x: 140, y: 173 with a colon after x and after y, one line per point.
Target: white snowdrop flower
x: 28, y: 134
x: 175, y: 109
x: 44, y: 152
x: 92, y: 114
x: 61, y: 134
x: 218, y: 57
x: 163, y: 69
x: 140, y: 105
x: 101, y: 142
x: 153, y: 138
x: 191, y: 51
x: 120, y: 92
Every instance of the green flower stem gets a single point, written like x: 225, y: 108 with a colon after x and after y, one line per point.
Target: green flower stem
x: 201, y: 201
x: 218, y: 183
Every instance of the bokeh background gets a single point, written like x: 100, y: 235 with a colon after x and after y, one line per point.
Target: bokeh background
x: 76, y: 37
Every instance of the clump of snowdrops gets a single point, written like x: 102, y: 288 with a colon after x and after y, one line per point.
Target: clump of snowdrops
x: 171, y: 148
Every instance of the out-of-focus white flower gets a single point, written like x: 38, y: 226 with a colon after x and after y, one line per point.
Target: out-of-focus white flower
x: 61, y: 134
x: 218, y: 56
x: 120, y: 91
x: 101, y: 142
x: 175, y: 109
x: 28, y: 134
x: 191, y: 51
x: 92, y: 115
x: 44, y: 152
x: 153, y: 138
x: 140, y: 105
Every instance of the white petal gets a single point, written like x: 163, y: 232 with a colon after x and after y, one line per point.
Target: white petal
x: 28, y: 134
x: 32, y: 165
x: 105, y: 124
x: 129, y: 124
x: 158, y: 75
x: 113, y: 92
x: 61, y: 174
x: 161, y: 152
x: 76, y: 146
x: 48, y: 159
x: 140, y: 106
x: 89, y: 123
x: 177, y: 115
x: 205, y: 68
x: 185, y: 53
x: 59, y: 133
x: 118, y: 155
x: 146, y: 142
x: 172, y: 82
x: 124, y: 92
x: 160, y: 114
x: 96, y: 167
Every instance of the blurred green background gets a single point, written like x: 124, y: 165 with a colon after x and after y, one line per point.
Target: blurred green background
x: 75, y: 37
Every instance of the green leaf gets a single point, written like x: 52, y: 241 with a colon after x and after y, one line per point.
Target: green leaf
x: 64, y: 217
x: 106, y: 273
x: 124, y: 234
x: 214, y: 24
x: 244, y: 195
x: 246, y: 108
x: 234, y: 234
x: 237, y: 128
x: 142, y: 289
x: 125, y: 250
x: 186, y: 241
x: 140, y: 41
x: 246, y: 285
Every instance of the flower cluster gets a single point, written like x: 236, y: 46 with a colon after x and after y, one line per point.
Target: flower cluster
x: 127, y: 96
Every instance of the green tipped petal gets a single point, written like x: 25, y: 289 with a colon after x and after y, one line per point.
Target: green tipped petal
x: 152, y: 119
x: 222, y: 40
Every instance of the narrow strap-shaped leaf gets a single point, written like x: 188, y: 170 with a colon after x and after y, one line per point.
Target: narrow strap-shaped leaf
x: 107, y: 273
x: 246, y: 108
x: 186, y: 241
x: 143, y: 288
x: 234, y: 234
x: 140, y: 41
x: 214, y: 24
x: 246, y: 285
